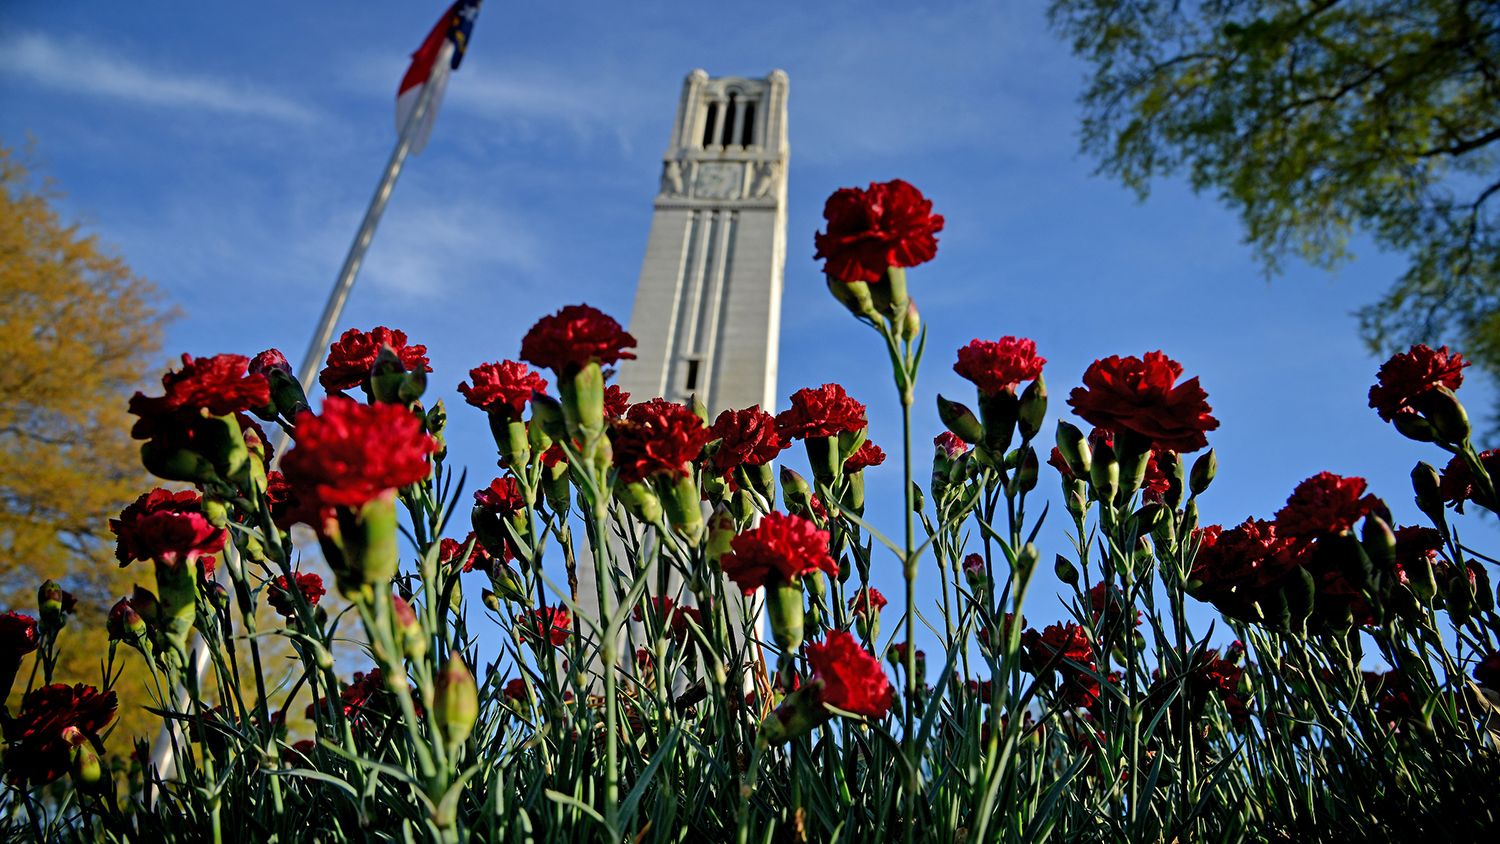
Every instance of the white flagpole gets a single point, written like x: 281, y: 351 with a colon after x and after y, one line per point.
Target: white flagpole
x: 163, y: 758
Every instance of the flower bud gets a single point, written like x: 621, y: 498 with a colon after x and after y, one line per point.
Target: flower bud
x: 721, y: 532
x: 684, y: 509
x: 854, y: 296
x: 1442, y: 408
x: 1033, y: 410
x: 1379, y: 543
x: 1105, y: 474
x: 457, y: 701
x: 976, y: 574
x: 124, y: 624
x: 512, y: 441
x: 784, y: 606
x: 912, y: 325
x: 287, y: 395
x: 795, y: 492
x: 1204, y: 469
x: 491, y: 601
x: 1026, y: 473
x: 407, y: 629
x: 1074, y: 447
x: 85, y: 768
x: 50, y: 599
x: 143, y: 601
x: 583, y: 403
x: 1424, y: 481
x: 998, y: 413
x: 1414, y: 427
x: 1065, y: 570
x: 800, y: 713
x: 639, y: 500
x: 959, y: 419
x: 1026, y: 560
x: 1170, y: 463
x: 547, y: 413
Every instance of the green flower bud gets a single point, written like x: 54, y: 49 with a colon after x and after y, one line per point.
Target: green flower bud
x: 854, y: 296
x: 1379, y: 543
x: 795, y: 492
x: 1204, y: 469
x: 1026, y: 473
x: 784, y: 607
x: 1065, y: 570
x: 407, y: 629
x: 1425, y: 482
x: 721, y: 532
x: 1442, y: 408
x: 1414, y: 427
x: 684, y: 509
x: 457, y: 701
x: 1074, y: 447
x: 960, y: 420
x: 1033, y: 409
x: 639, y: 500
x: 1105, y: 474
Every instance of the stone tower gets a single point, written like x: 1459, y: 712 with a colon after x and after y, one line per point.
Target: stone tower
x: 707, y: 314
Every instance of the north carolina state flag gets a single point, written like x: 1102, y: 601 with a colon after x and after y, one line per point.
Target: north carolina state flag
x: 441, y: 51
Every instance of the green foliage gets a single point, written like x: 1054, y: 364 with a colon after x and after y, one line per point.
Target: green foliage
x: 1316, y: 120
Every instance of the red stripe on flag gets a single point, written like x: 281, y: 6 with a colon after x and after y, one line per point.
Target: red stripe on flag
x: 422, y: 60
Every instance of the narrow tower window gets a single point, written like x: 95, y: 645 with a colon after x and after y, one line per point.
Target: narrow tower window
x: 726, y: 137
x: 710, y: 122
x: 690, y: 382
x: 747, y: 130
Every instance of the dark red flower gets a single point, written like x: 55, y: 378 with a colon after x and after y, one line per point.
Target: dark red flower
x: 825, y: 411
x: 867, y: 602
x: 869, y: 454
x: 997, y: 366
x: 951, y: 445
x: 1487, y: 671
x: 1411, y: 374
x: 783, y: 547
x: 218, y: 386
x: 287, y: 508
x: 268, y: 360
x: 616, y: 402
x: 1211, y: 672
x: 671, y: 616
x: 367, y: 697
x: 548, y: 624
x: 42, y: 733
x: 1415, y: 544
x: 1456, y: 484
x: 1140, y: 395
x: 352, y: 453
x: 18, y: 636
x: 515, y: 689
x: 165, y: 526
x: 568, y: 340
x: 502, y: 497
x: 449, y: 550
x: 657, y: 437
x: 746, y: 438
x: 888, y: 225
x: 279, y: 594
x: 1250, y: 556
x: 352, y: 357
x: 852, y: 679
x: 1104, y: 598
x: 1069, y: 640
x: 502, y: 388
x: 1325, y: 504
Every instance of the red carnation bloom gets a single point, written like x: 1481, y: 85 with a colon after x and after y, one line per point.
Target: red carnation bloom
x: 672, y: 616
x: 869, y: 454
x: 657, y: 437
x: 782, y: 546
x: 616, y: 402
x: 889, y: 225
x: 367, y: 696
x: 951, y: 445
x: 41, y: 735
x: 218, y: 385
x: 825, y: 411
x: 867, y: 601
x: 501, y: 498
x: 503, y: 388
x: 1069, y: 640
x: 568, y: 340
x: 550, y: 624
x: 1456, y: 483
x: 1410, y: 375
x: 18, y: 636
x: 351, y: 358
x: 746, y: 438
x: 1325, y: 504
x: 1211, y: 672
x: 352, y: 453
x: 1140, y: 395
x: 1104, y: 598
x: 165, y: 526
x: 1251, y: 556
x: 449, y: 551
x: 268, y: 360
x: 1060, y: 463
x: 1487, y: 672
x: 515, y: 689
x: 279, y: 595
x: 998, y: 366
x: 1414, y: 544
x: 852, y: 679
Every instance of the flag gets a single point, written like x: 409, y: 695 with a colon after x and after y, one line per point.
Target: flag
x: 441, y: 51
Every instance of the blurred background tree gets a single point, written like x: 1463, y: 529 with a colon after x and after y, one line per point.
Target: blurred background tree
x: 1316, y: 120
x: 78, y: 333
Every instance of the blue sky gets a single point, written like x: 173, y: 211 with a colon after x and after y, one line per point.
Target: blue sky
x: 228, y: 150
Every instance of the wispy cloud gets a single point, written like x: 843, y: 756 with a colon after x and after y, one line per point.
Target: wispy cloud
x: 82, y: 67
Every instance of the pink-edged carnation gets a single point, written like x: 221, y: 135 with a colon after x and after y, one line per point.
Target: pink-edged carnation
x: 825, y: 411
x: 352, y: 357
x: 1141, y: 395
x: 502, y: 389
x: 657, y: 437
x: 270, y: 359
x: 746, y: 438
x: 352, y: 453
x: 998, y: 366
x: 279, y: 593
x: 852, y: 680
x: 889, y: 224
x: 573, y: 337
x: 165, y: 526
x: 1325, y: 504
x: 869, y: 454
x: 220, y: 385
x: 950, y: 444
x: 782, y: 548
x: 1410, y: 375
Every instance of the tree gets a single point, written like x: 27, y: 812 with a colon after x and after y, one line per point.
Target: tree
x: 78, y: 332
x: 1315, y: 120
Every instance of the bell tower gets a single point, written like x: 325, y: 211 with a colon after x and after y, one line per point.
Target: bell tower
x: 707, y: 313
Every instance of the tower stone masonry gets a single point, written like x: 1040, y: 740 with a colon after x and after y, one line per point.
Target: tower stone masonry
x: 707, y: 315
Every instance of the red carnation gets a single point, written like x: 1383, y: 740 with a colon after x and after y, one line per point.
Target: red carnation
x: 42, y: 734
x: 998, y: 366
x: 218, y: 386
x: 1416, y: 544
x: 657, y: 437
x: 1250, y: 556
x: 352, y: 357
x: 950, y: 444
x: 502, y: 388
x: 1487, y: 672
x: 501, y: 498
x: 1104, y: 598
x: 550, y: 624
x: 746, y: 438
x: 165, y: 526
x: 18, y: 636
x: 1324, y: 504
x: 867, y: 601
x: 352, y: 453
x: 889, y: 225
x: 616, y: 402
x: 672, y: 616
x: 573, y: 337
x: 1410, y: 375
x: 1456, y: 484
x: 268, y: 360
x: 449, y: 551
x: 1140, y: 395
x: 852, y: 679
x: 1068, y: 641
x: 825, y: 411
x: 869, y: 454
x: 781, y: 546
x: 279, y: 594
